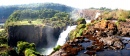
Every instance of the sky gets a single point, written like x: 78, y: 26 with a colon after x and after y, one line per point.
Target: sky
x: 81, y: 4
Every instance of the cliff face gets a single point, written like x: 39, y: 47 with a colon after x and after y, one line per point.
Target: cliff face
x: 41, y: 36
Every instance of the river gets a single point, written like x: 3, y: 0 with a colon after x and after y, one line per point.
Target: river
x: 1, y: 23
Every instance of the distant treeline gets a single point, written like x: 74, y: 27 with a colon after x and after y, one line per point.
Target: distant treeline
x: 6, y: 11
x: 38, y: 14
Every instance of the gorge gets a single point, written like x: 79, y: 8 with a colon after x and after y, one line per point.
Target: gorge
x: 59, y: 30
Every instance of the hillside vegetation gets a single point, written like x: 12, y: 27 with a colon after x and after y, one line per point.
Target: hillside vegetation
x: 6, y: 11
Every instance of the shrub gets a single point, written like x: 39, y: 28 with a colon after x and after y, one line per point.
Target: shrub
x: 22, y: 46
x: 57, y: 48
x: 81, y: 26
x: 81, y: 21
x: 3, y: 54
x: 117, y: 23
x: 3, y: 40
x: 30, y: 52
x: 122, y: 19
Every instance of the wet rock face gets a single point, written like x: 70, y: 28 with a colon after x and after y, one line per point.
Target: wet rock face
x: 33, y: 34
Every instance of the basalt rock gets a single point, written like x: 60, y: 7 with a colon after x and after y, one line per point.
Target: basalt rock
x: 112, y: 41
x: 124, y: 28
x: 34, y: 34
x: 101, y: 35
x: 102, y: 28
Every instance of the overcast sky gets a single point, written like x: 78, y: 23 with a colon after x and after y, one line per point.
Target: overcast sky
x: 121, y: 4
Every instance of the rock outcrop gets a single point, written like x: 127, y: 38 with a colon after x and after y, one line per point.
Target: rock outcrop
x: 98, y: 37
x: 124, y: 28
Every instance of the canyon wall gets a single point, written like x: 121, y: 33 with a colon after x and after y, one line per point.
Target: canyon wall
x: 41, y: 36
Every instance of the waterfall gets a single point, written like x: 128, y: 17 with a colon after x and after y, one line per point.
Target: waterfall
x: 97, y: 15
x: 62, y: 39
x: 64, y: 35
x: 88, y: 21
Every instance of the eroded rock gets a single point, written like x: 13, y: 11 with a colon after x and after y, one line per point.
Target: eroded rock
x: 112, y: 41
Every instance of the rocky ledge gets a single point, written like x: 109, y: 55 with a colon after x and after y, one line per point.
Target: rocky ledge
x: 103, y: 36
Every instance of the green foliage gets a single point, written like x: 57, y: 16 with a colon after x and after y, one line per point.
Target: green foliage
x: 30, y: 17
x: 6, y: 11
x: 3, y: 34
x: 35, y: 14
x: 117, y: 23
x: 57, y: 48
x: 120, y: 15
x: 78, y: 31
x: 81, y: 21
x: 4, y: 50
x: 27, y: 49
x: 30, y: 52
x: 3, y: 41
x: 22, y: 46
x: 122, y: 19
x: 3, y: 54
x: 102, y: 8
x: 3, y: 37
x: 81, y: 26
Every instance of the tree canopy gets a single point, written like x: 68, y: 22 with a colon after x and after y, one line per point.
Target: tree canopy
x: 6, y: 11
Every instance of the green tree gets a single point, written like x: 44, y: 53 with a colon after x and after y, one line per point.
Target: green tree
x: 22, y: 46
x: 81, y: 21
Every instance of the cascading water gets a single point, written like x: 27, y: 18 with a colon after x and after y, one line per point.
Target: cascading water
x: 62, y: 39
x: 97, y: 15
x: 64, y: 35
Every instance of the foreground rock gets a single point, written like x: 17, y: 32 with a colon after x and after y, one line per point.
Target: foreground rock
x: 72, y: 48
x: 100, y: 36
x: 124, y: 28
x: 112, y: 42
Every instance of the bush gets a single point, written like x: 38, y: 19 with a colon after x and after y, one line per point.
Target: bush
x: 81, y: 26
x: 30, y: 52
x: 122, y: 20
x: 4, y: 54
x: 22, y: 46
x: 117, y: 23
x: 3, y: 41
x: 57, y: 48
x: 81, y: 21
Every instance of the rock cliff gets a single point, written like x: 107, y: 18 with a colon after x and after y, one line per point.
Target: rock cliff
x: 41, y: 36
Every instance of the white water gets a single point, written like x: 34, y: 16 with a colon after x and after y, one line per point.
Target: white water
x: 88, y: 21
x: 47, y: 51
x: 97, y: 15
x: 62, y: 39
x: 63, y: 36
